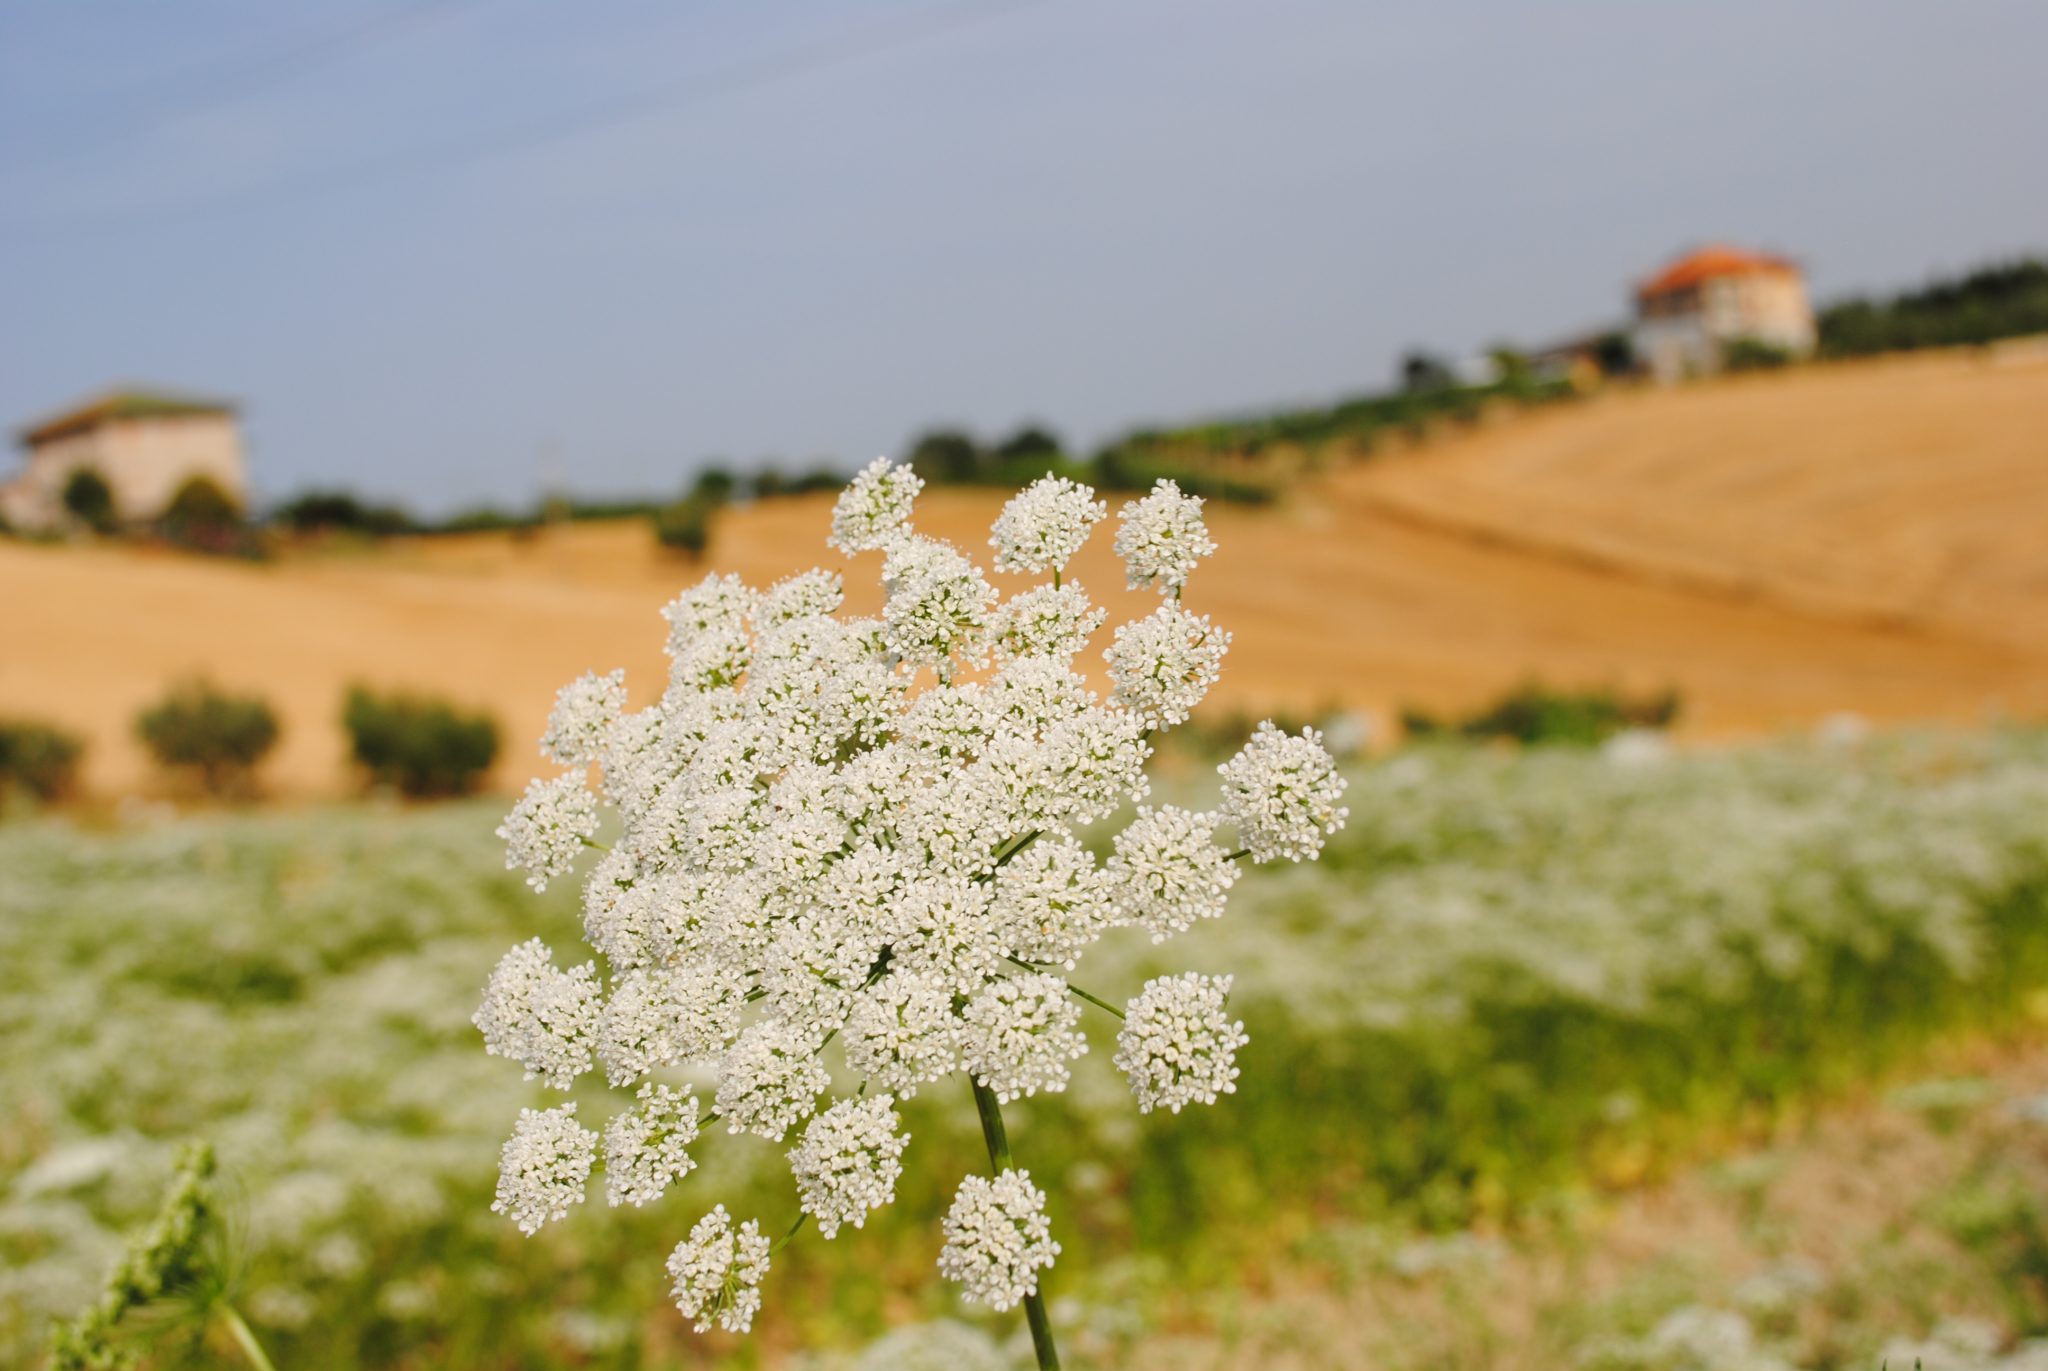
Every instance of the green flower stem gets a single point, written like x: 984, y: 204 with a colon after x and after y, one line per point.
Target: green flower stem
x: 1095, y: 1000
x: 999, y: 1159
x: 1241, y: 852
x: 245, y: 1339
x: 802, y: 1218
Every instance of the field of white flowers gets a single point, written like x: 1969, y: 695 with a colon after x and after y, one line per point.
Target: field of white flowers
x: 1512, y: 975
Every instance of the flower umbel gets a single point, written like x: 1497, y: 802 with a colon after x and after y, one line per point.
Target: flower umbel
x: 997, y: 1239
x: 858, y: 836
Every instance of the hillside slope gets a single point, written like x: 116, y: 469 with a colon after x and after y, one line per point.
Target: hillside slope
x: 1868, y: 538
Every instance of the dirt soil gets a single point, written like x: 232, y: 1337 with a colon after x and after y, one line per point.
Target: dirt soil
x: 1868, y: 538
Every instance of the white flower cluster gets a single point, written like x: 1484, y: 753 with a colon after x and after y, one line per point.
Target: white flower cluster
x: 717, y: 1272
x: 1282, y: 792
x: 1178, y: 1045
x: 545, y: 1165
x: 848, y: 1162
x: 857, y: 836
x: 997, y: 1239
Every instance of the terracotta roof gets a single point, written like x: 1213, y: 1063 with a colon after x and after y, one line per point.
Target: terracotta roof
x: 124, y: 403
x: 1710, y: 262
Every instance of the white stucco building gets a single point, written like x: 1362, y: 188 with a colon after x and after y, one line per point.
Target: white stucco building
x: 1688, y: 313
x: 145, y: 444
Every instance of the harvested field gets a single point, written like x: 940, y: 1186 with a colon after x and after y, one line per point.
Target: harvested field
x: 1869, y: 538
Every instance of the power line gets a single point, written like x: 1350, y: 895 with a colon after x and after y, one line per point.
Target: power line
x: 223, y: 83
x: 801, y: 60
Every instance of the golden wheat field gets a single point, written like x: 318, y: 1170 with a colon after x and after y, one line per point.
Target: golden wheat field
x: 1868, y: 538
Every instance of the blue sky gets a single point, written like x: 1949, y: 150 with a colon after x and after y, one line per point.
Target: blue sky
x: 460, y: 250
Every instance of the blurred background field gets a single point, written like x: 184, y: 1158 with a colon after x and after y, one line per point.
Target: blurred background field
x: 1521, y: 992
x: 1626, y: 433
x: 1859, y: 538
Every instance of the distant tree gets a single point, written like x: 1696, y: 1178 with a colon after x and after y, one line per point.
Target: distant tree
x: 1510, y: 364
x: 422, y: 745
x: 1423, y: 371
x: 37, y: 759
x: 1755, y: 354
x: 321, y: 511
x: 1614, y: 353
x: 818, y: 478
x: 714, y: 486
x: 946, y: 457
x: 89, y: 499
x: 685, y: 526
x: 1029, y: 443
x: 768, y: 483
x: 217, y: 736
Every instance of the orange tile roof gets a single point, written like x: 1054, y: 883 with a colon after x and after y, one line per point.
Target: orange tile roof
x: 1710, y: 262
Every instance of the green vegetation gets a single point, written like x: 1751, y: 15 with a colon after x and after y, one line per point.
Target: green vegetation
x: 90, y: 500
x: 2003, y: 301
x: 1535, y: 713
x: 1515, y: 975
x: 425, y: 747
x: 171, y: 1287
x: 1756, y: 354
x: 216, y: 736
x: 38, y: 760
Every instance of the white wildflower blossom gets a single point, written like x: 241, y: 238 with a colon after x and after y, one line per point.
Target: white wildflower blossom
x: 1045, y: 621
x: 874, y: 509
x: 1161, y: 537
x: 581, y: 723
x: 549, y: 827
x: 902, y: 1033
x: 716, y: 1273
x: 646, y: 1150
x: 1018, y: 1035
x: 539, y: 1015
x: 660, y: 1015
x: 848, y: 1162
x: 544, y: 1167
x: 801, y: 596
x: 1164, y: 664
x: 1053, y: 901
x: 1282, y: 792
x: 938, y: 607
x: 1178, y: 1045
x: 842, y: 830
x: 1167, y: 872
x: 997, y: 1239
x: 769, y: 1081
x: 1044, y: 524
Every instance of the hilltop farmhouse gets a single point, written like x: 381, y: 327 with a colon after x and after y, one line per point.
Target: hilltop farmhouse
x: 147, y: 445
x: 1689, y: 313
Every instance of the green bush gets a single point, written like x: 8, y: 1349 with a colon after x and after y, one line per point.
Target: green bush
x: 421, y: 745
x: 685, y: 526
x: 204, y: 730
x: 37, y: 759
x: 1755, y: 354
x: 90, y: 500
x: 1534, y: 713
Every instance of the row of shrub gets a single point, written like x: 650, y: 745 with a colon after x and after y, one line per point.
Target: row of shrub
x: 2006, y: 300
x: 1533, y: 713
x: 418, y: 745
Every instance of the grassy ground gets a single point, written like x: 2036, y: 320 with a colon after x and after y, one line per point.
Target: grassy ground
x: 1519, y: 987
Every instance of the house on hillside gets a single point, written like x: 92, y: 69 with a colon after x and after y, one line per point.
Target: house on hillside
x: 1690, y: 312
x: 147, y: 445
